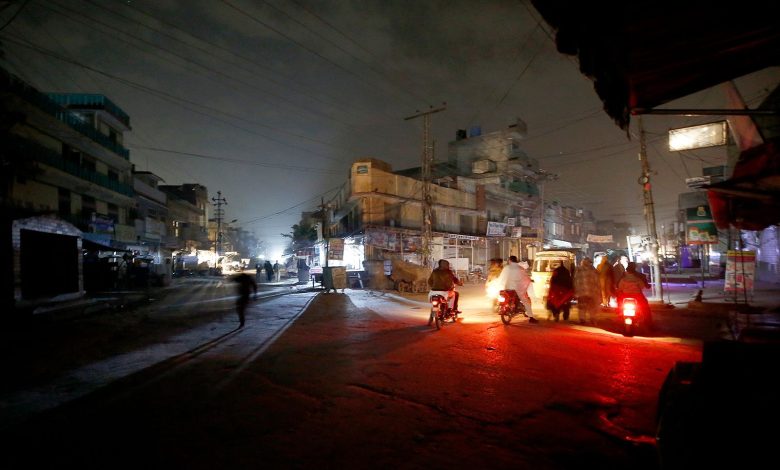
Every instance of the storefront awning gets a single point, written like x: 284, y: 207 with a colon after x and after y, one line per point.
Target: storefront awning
x: 641, y: 54
x: 97, y: 242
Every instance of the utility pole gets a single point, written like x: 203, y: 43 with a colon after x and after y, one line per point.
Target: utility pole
x: 325, y: 229
x: 219, y: 213
x: 542, y: 176
x: 647, y: 193
x: 427, y: 164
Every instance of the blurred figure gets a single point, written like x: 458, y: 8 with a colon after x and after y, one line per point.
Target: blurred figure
x: 246, y: 284
x: 491, y: 286
x: 588, y: 291
x: 619, y: 269
x: 269, y: 271
x: 606, y: 281
x: 561, y: 292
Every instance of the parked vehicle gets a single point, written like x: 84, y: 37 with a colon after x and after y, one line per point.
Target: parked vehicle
x: 509, y: 306
x: 544, y: 264
x: 442, y: 308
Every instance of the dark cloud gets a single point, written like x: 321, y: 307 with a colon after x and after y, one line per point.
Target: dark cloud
x: 321, y: 83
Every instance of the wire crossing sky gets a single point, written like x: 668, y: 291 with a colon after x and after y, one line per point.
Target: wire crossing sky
x: 271, y: 101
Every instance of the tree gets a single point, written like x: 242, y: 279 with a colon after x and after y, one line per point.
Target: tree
x: 302, y: 236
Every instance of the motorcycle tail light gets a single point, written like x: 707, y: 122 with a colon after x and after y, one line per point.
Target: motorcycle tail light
x: 629, y: 309
x: 435, y: 302
x: 629, y: 321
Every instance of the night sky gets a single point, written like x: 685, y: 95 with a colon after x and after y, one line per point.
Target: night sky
x: 270, y: 101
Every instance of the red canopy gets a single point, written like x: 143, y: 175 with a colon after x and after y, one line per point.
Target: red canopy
x: 750, y: 200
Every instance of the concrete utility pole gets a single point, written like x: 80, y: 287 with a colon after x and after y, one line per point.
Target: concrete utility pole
x: 427, y: 163
x: 647, y: 192
x: 325, y: 230
x: 219, y: 213
x: 543, y: 176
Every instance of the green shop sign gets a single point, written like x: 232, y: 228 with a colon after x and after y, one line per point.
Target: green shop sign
x: 700, y: 227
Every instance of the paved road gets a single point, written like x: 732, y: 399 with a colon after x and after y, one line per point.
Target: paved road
x: 51, y: 361
x: 359, y: 380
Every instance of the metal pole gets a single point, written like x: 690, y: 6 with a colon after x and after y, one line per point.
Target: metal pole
x: 647, y: 192
x: 218, y: 201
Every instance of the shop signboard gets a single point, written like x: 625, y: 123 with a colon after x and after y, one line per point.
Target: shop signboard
x: 599, y: 238
x: 391, y: 242
x: 517, y: 232
x: 336, y: 249
x: 411, y: 244
x: 700, y: 227
x: 496, y: 229
x: 740, y: 272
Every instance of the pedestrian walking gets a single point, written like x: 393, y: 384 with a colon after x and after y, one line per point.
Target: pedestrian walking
x: 606, y: 280
x: 561, y: 292
x: 277, y: 273
x: 588, y: 291
x: 269, y: 271
x: 246, y: 284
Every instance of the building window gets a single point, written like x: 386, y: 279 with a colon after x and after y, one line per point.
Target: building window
x: 63, y: 207
x: 113, y: 212
x: 113, y: 175
x: 87, y: 206
x: 72, y: 156
x: 88, y: 164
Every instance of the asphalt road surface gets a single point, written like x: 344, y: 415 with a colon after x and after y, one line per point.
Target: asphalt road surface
x: 358, y: 380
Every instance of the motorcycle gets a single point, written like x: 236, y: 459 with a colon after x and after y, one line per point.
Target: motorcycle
x: 632, y: 313
x: 509, y: 306
x: 442, y: 308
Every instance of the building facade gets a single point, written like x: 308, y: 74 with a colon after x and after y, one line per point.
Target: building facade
x: 63, y: 157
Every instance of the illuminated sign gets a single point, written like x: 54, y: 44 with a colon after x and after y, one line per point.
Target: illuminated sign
x: 694, y: 137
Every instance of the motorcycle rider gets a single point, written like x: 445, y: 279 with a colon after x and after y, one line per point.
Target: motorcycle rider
x: 515, y: 277
x: 443, y: 279
x: 631, y: 285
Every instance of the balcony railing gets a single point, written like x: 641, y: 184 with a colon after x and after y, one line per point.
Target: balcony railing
x: 49, y: 106
x: 89, y: 131
x: 523, y: 187
x: 90, y: 101
x: 39, y: 153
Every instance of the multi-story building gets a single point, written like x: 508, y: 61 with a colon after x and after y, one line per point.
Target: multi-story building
x: 151, y: 225
x: 188, y: 216
x: 381, y: 211
x: 63, y: 159
x: 485, y: 200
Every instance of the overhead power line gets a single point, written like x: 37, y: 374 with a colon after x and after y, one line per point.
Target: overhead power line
x: 236, y: 160
x: 159, y: 94
x: 299, y: 44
